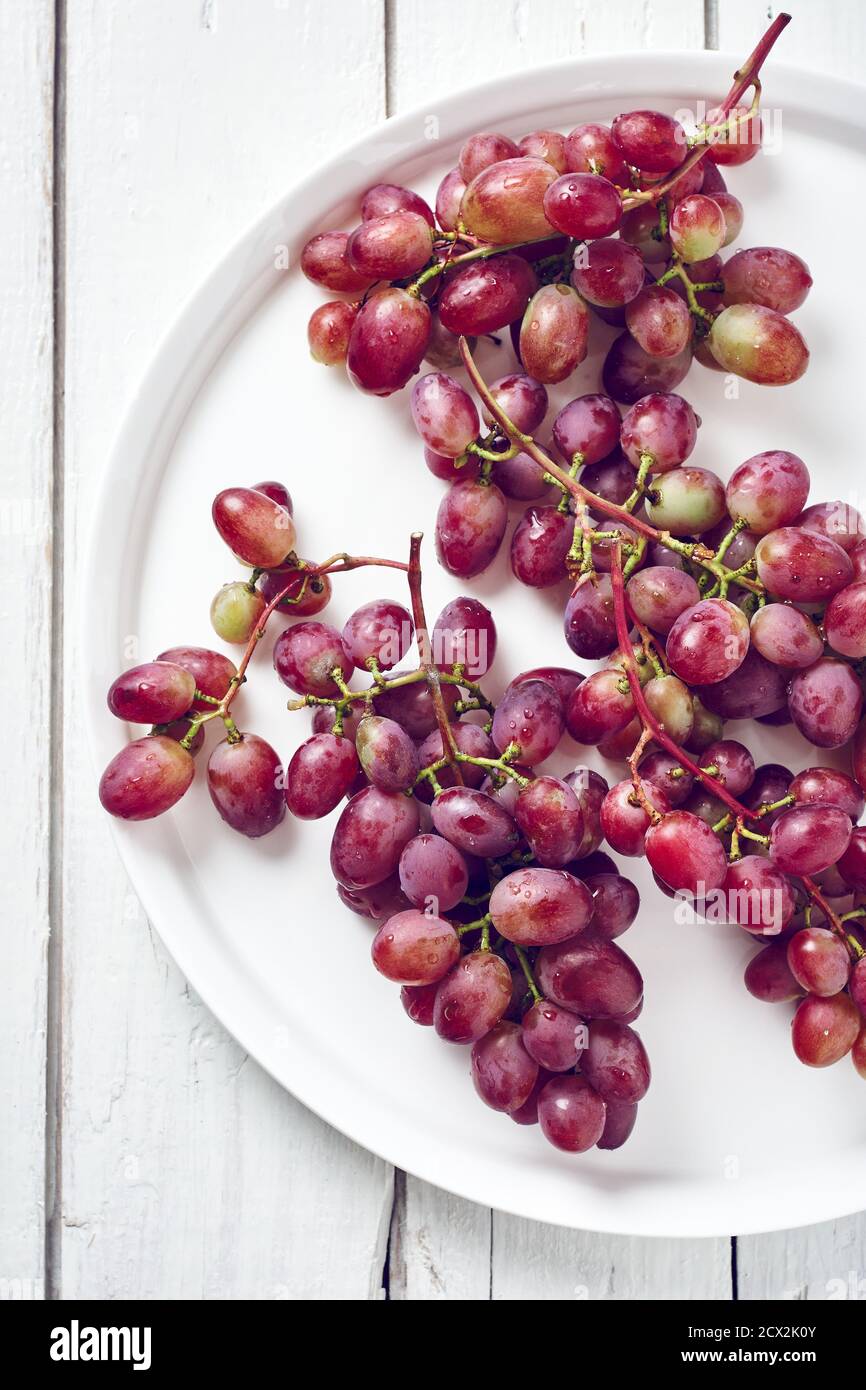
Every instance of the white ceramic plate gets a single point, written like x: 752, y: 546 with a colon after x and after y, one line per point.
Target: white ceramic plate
x: 735, y: 1135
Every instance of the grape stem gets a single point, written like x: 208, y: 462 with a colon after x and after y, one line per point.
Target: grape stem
x: 695, y: 551
x: 744, y: 78
x: 431, y: 673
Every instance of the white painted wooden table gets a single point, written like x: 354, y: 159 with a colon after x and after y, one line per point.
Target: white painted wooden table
x: 143, y: 1154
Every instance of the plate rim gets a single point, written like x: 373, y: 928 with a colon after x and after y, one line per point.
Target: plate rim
x: 167, y: 390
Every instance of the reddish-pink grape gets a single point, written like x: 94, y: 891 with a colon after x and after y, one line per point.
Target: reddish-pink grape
x: 819, y: 961
x: 662, y: 425
x: 539, y: 546
x: 258, y: 531
x: 388, y: 340
x: 828, y: 786
x: 475, y: 822
x: 449, y: 196
x: 808, y: 839
x: 758, y: 896
x: 590, y: 628
x: 826, y: 702
x: 320, y: 774
x: 470, y: 525
x: 415, y: 948
x: 697, y: 227
x: 391, y: 246
x: 387, y: 753
x: 629, y: 373
x: 325, y: 261
x: 485, y: 295
x: 444, y: 414
x: 483, y: 149
x: 608, y: 273
x: 768, y: 976
x: 667, y: 774
x: 549, y: 815
x: 786, y: 636
x: 419, y: 1002
x: 593, y: 977
x: 328, y: 332
x: 554, y: 333
x: 591, y: 149
x: 845, y: 621
x: 522, y: 398
x: 246, y: 784
x: 839, y: 521
x: 212, y: 671
x: 370, y: 836
x: 852, y: 864
x: 306, y: 655
x: 769, y: 490
x: 146, y: 778
x: 802, y: 566
x: 650, y: 140
x: 759, y: 344
x: 470, y: 739
x: 686, y: 853
x: 545, y: 144
x: 505, y: 201
x: 531, y: 716
x: 377, y: 903
x: 659, y: 594
x: 554, y: 1037
x: 464, y: 634
x: 734, y: 764
x: 472, y: 998
x: 824, y: 1030
x: 739, y: 136
x: 503, y: 1072
x: 587, y: 427
x: 767, y: 275
x: 598, y: 708
x: 433, y: 873
x: 304, y: 595
x: 659, y: 321
x: 615, y: 1062
x: 384, y: 198
x: 412, y: 705
x: 756, y: 688
x: 156, y: 692
x: 583, y: 206
x: 624, y: 820
x: 380, y: 631
x: 571, y: 1114
x: 708, y: 642
x: 616, y: 900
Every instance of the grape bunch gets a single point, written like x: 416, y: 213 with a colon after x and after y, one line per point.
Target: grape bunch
x: 496, y: 913
x: 623, y: 223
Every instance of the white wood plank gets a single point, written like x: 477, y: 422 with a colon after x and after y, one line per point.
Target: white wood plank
x: 536, y: 1262
x: 436, y: 49
x: 811, y: 1263
x: 26, y: 448
x: 186, y: 1171
x: 443, y: 1241
x: 831, y: 38
x: 829, y: 1260
x: 440, y: 1245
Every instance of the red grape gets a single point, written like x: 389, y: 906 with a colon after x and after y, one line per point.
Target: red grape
x: 530, y: 715
x: 768, y: 976
x: 766, y: 275
x: 388, y: 340
x: 659, y: 594
x: 845, y: 621
x: 608, y: 273
x: 433, y: 873
x: 483, y: 149
x: 852, y: 864
x: 387, y: 754
x: 759, y: 344
x: 549, y: 815
x: 824, y: 1030
x: 583, y: 206
x: 819, y: 961
x: 734, y: 763
x: 769, y: 490
x: 470, y: 525
x: 616, y: 902
x: 146, y: 778
x: 325, y: 261
x: 444, y: 414
x: 472, y: 998
x: 838, y: 520
x: 376, y: 903
x: 686, y: 853
x: 522, y: 398
x: 741, y: 137
x: 539, y: 546
x: 588, y: 426
x: 245, y: 781
x: 502, y: 1070
x: 412, y: 705
x: 540, y: 907
x: 595, y: 978
x: 419, y: 1002
x: 305, y: 656
x: 757, y: 895
x: 618, y: 1125
x: 598, y: 708
x: 615, y: 1062
x: 320, y: 774
x: 505, y: 201
x: 571, y: 1114
x: 659, y: 320
x: 258, y: 531
x: 786, y: 636
x: 370, y: 836
x: 667, y: 774
x: 449, y: 196
x: 826, y: 701
x: 328, y: 332
x: 380, y: 631
x: 591, y: 149
x: 650, y: 140
x: 708, y: 642
x: 383, y: 198
x: 661, y: 425
x: 485, y: 295
x: 554, y: 1037
x: 545, y: 144
x: 697, y: 227
x: 213, y: 673
x: 590, y: 628
x: 155, y: 693
x: 305, y: 595
x: 464, y: 635
x: 755, y: 688
x: 624, y: 819
x: 475, y: 822
x: 470, y: 739
x: 630, y: 373
x: 415, y: 948
x: 828, y: 786
x: 808, y: 839
x: 554, y: 333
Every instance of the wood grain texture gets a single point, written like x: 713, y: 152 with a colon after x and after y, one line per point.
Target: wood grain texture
x: 26, y: 449
x: 444, y: 1242
x: 830, y: 38
x: 186, y: 1172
